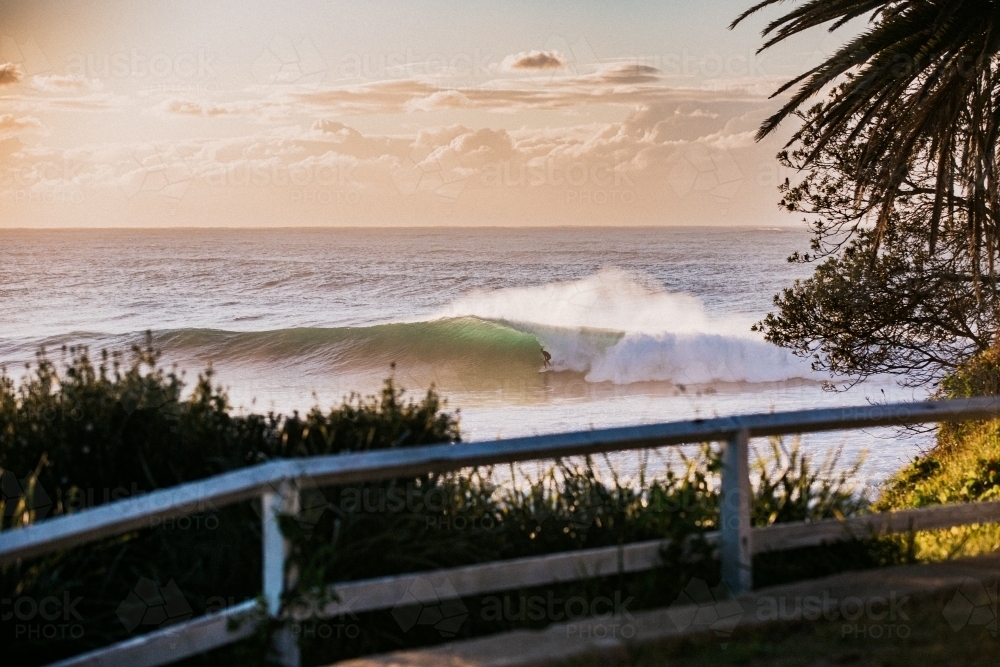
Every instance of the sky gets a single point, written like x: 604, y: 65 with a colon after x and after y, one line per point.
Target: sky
x: 254, y: 113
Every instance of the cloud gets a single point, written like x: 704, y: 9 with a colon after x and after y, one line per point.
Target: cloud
x: 395, y: 96
x: 672, y: 161
x: 267, y: 111
x: 534, y: 60
x: 181, y: 107
x: 92, y: 102
x: 56, y: 83
x: 627, y: 84
x: 10, y: 74
x: 626, y: 73
x: 442, y: 99
x: 10, y: 124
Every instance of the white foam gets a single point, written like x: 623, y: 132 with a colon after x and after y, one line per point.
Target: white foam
x: 696, y: 359
x: 662, y: 336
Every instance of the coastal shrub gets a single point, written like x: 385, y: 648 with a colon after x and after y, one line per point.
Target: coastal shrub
x: 89, y: 433
x: 963, y: 466
x: 789, y: 486
x: 85, y: 434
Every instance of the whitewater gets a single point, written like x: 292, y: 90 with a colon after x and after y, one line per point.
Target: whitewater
x: 642, y: 325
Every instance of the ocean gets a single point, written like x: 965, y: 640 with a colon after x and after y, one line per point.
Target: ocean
x: 643, y: 324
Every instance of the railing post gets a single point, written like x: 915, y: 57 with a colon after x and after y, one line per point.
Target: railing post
x: 734, y: 539
x: 284, y: 501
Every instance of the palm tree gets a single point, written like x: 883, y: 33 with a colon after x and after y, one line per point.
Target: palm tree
x: 918, y: 90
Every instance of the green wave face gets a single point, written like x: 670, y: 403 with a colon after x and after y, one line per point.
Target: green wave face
x: 462, y: 352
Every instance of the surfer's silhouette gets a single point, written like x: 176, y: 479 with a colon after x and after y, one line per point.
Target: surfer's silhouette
x: 546, y: 358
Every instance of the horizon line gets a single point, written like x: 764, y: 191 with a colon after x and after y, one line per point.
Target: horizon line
x: 760, y: 226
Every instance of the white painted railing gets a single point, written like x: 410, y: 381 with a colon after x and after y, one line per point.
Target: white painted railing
x: 276, y: 484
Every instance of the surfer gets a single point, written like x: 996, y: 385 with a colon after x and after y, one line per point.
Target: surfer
x: 546, y: 358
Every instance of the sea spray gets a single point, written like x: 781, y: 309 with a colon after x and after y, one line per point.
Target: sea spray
x: 622, y: 327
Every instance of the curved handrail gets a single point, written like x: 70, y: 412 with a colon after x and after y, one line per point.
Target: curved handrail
x: 148, y: 509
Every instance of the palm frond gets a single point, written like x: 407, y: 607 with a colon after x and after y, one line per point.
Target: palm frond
x: 919, y: 88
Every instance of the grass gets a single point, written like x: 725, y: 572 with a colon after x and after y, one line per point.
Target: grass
x: 924, y: 638
x: 963, y: 467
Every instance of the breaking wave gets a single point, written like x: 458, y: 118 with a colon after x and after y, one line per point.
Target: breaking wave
x: 612, y: 326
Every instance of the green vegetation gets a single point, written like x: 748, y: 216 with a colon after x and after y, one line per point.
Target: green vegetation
x: 878, y: 301
x: 896, y: 178
x: 963, y: 467
x: 85, y: 434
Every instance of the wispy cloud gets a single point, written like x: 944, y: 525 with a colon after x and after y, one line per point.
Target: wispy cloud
x: 626, y: 84
x: 89, y: 103
x: 57, y: 83
x: 8, y: 123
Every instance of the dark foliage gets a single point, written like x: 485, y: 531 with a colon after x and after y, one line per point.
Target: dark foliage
x: 87, y: 435
x: 903, y: 310
x: 920, y: 92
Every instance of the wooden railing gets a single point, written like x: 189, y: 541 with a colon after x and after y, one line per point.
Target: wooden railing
x: 277, y: 483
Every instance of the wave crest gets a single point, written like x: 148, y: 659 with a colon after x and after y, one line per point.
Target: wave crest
x: 621, y: 327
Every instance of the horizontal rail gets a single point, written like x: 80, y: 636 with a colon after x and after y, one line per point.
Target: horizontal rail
x: 795, y: 535
x: 520, y: 573
x: 211, y: 631
x: 146, y: 510
x: 176, y: 642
